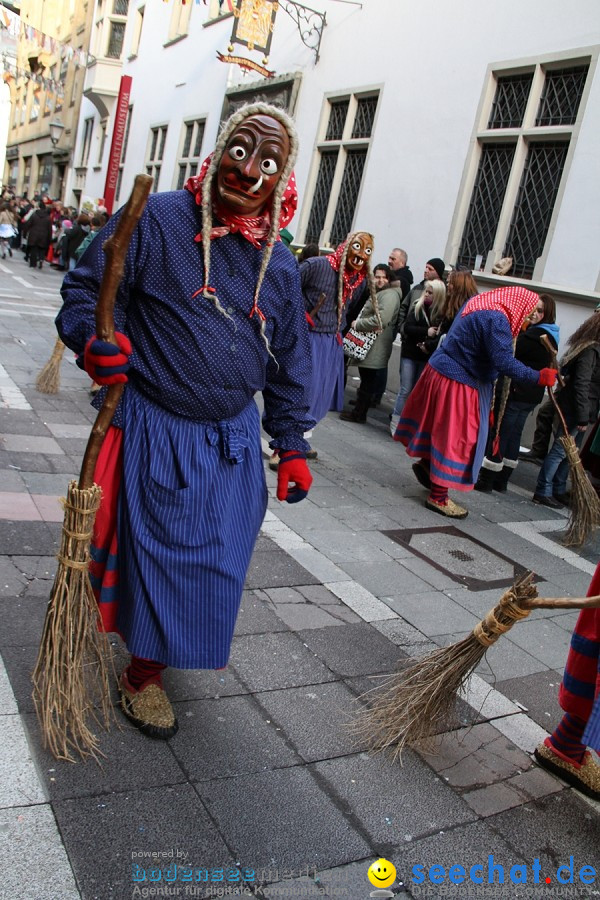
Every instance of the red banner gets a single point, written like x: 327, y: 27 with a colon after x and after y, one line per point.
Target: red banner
x: 116, y: 144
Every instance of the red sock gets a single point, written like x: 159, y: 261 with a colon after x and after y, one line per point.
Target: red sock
x: 438, y: 494
x: 566, y: 738
x: 141, y: 672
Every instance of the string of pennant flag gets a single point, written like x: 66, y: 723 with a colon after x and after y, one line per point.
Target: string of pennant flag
x: 13, y: 27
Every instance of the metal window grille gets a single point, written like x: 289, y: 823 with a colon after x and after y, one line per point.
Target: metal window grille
x: 486, y: 202
x: 163, y: 138
x: 187, y: 141
x: 115, y: 43
x: 199, y: 138
x: 337, y: 120
x: 563, y: 89
x: 346, y: 204
x: 510, y: 101
x: 534, y: 206
x: 365, y: 114
x: 121, y: 7
x: 181, y: 179
x: 320, y: 199
x: 154, y: 133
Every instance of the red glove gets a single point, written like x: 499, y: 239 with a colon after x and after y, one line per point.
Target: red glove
x: 547, y: 377
x: 105, y: 363
x: 293, y: 470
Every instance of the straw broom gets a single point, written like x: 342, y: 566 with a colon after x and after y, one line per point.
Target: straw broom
x: 71, y: 676
x: 584, y: 513
x: 412, y: 706
x: 48, y: 381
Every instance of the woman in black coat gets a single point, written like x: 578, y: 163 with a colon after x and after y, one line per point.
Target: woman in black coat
x: 502, y: 452
x: 38, y: 229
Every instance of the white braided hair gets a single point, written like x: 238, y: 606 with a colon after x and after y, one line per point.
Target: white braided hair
x: 250, y: 109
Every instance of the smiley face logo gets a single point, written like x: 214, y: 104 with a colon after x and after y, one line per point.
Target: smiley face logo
x: 381, y: 873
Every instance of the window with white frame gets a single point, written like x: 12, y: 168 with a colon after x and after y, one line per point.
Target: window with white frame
x: 189, y: 156
x: 180, y: 20
x: 218, y: 8
x: 101, y: 142
x: 156, y: 149
x: 342, y: 152
x: 521, y: 150
x: 123, y: 152
x: 86, y: 142
x: 137, y: 30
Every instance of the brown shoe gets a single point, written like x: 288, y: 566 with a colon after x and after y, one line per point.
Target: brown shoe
x: 450, y: 509
x: 149, y: 710
x: 585, y: 777
x: 312, y: 454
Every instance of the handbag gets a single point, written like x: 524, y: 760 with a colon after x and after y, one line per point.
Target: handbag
x: 358, y: 343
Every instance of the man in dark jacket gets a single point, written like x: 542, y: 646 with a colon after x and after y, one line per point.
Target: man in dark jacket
x: 398, y: 263
x: 38, y: 230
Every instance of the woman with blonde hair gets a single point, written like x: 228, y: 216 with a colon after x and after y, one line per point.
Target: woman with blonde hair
x: 421, y: 325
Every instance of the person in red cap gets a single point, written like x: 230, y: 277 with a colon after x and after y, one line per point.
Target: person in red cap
x: 209, y: 311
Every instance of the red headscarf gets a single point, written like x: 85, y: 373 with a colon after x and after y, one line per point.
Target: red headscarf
x: 515, y: 303
x: 351, y: 280
x: 253, y: 228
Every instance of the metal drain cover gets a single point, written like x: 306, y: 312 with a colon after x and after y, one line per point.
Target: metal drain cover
x: 463, y: 558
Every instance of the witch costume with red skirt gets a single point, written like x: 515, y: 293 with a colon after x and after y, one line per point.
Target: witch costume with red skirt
x: 182, y: 474
x: 444, y: 423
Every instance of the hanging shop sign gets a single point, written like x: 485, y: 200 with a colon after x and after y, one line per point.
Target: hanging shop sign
x: 116, y: 145
x: 253, y: 24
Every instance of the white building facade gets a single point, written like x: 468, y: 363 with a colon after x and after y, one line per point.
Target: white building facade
x: 448, y: 129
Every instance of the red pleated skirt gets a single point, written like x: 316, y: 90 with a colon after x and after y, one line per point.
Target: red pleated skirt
x: 440, y: 422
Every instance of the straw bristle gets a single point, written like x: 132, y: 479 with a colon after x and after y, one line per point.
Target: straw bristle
x: 418, y: 702
x: 48, y: 381
x: 71, y: 676
x: 584, y: 506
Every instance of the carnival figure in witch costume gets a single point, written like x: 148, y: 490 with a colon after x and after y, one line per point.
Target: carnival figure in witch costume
x: 209, y: 312
x: 329, y: 283
x: 445, y: 420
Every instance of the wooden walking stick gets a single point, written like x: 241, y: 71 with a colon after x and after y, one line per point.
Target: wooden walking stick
x: 584, y: 512
x: 48, y: 381
x: 71, y: 684
x: 412, y: 706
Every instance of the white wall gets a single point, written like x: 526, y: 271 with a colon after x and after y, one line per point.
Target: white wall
x: 430, y: 60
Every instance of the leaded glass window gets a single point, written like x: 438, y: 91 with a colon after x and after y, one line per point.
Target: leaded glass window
x: 486, y: 202
x: 561, y: 96
x: 363, y: 120
x: 344, y: 211
x: 192, y: 137
x: 510, y: 101
x: 321, y: 196
x: 534, y: 206
x: 337, y: 120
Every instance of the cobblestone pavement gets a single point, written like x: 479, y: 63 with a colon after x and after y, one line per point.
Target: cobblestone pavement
x: 265, y: 784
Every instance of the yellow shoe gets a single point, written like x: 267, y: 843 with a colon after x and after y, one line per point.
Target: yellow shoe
x: 450, y: 509
x: 585, y: 777
x: 274, y: 462
x: 148, y: 709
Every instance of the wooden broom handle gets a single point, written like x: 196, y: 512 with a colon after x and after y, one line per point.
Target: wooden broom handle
x: 561, y: 602
x: 546, y: 342
x: 116, y: 251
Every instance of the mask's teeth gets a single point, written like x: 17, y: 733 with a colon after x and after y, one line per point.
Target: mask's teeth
x: 257, y: 186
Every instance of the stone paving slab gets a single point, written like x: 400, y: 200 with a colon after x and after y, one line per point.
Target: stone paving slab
x: 299, y: 824
x: 208, y: 743
x: 354, y: 650
x: 395, y: 807
x: 160, y: 819
x: 271, y: 661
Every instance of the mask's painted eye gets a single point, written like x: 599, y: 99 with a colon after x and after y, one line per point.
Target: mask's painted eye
x: 356, y: 245
x: 368, y: 250
x: 237, y: 152
x: 269, y: 167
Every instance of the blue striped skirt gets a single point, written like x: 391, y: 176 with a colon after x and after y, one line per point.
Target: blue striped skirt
x: 327, y: 380
x: 192, y: 502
